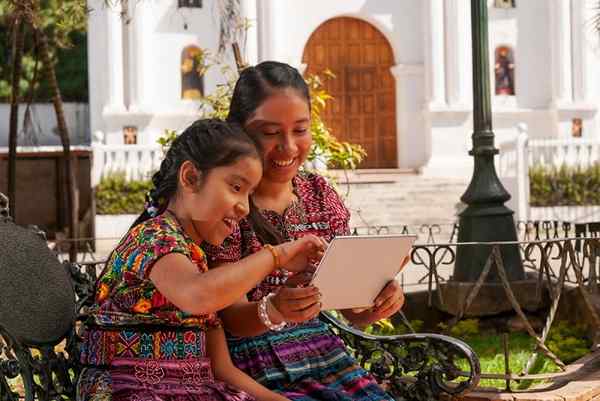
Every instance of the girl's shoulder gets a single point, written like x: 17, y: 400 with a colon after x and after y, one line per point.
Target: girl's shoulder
x: 161, y: 230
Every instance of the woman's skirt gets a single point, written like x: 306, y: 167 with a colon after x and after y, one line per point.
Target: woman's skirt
x: 305, y: 362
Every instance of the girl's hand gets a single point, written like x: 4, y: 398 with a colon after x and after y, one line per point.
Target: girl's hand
x: 295, y: 304
x: 298, y: 255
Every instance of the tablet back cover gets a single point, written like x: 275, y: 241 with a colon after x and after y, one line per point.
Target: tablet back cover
x: 356, y: 268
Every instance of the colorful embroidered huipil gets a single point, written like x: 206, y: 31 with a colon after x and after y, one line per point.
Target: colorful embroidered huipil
x: 139, y: 346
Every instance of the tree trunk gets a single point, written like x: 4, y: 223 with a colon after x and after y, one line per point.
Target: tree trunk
x: 72, y: 198
x: 18, y: 42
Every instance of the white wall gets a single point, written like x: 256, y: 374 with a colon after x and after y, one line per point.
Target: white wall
x: 147, y: 93
x: 44, y: 125
x: 431, y: 41
x: 294, y: 22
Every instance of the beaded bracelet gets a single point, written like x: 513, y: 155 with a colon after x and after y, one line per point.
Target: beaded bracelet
x: 264, y: 315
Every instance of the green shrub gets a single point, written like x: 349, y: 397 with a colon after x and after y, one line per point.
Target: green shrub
x: 116, y: 195
x: 463, y: 329
x: 385, y: 327
x: 568, y: 341
x: 564, y: 185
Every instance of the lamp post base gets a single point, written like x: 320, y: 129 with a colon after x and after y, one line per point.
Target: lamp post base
x: 486, y: 223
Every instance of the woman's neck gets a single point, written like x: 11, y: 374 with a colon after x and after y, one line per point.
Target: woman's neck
x: 275, y: 196
x: 184, y: 219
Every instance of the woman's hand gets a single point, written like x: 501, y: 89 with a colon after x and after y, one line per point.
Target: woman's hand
x: 389, y: 301
x: 295, y: 304
x: 300, y: 254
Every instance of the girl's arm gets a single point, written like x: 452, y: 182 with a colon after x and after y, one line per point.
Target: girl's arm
x: 225, y: 371
x: 201, y: 293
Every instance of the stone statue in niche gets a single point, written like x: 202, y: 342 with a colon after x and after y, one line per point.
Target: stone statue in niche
x: 576, y: 128
x: 192, y: 73
x: 504, y: 69
x: 130, y: 135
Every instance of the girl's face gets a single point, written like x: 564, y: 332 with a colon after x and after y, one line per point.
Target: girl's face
x: 282, y: 125
x: 220, y: 200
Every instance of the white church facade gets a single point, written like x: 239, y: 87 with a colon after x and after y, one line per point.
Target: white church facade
x: 403, y: 85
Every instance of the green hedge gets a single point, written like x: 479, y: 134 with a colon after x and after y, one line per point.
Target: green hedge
x: 564, y: 186
x: 116, y: 195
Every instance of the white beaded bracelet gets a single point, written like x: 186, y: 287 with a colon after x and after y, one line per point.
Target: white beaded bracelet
x: 264, y: 315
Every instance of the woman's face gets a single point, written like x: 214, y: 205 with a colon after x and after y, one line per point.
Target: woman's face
x: 282, y: 125
x: 221, y: 200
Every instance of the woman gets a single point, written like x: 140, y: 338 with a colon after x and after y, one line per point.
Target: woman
x: 287, y: 349
x: 153, y: 332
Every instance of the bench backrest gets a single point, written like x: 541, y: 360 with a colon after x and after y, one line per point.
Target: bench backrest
x: 38, y: 313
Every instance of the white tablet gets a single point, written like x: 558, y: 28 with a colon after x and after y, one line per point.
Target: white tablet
x: 355, y: 269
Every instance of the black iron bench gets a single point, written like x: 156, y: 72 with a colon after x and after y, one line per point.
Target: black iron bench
x: 43, y: 304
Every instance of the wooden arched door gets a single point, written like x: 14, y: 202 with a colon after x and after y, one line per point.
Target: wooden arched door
x: 363, y: 110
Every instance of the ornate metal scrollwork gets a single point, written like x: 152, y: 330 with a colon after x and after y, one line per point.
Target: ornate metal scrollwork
x: 413, y: 367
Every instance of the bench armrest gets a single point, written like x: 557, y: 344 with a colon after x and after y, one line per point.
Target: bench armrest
x: 412, y: 366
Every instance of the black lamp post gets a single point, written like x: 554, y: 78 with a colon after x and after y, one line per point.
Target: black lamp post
x: 486, y: 218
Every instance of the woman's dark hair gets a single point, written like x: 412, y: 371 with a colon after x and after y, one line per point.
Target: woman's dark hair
x: 257, y: 83
x: 253, y: 87
x: 208, y: 144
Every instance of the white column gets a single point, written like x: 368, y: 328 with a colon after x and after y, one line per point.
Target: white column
x: 138, y: 65
x: 413, y: 139
x: 267, y: 29
x: 250, y: 12
x: 435, y: 65
x: 579, y: 45
x: 114, y: 62
x: 560, y: 21
x: 457, y: 50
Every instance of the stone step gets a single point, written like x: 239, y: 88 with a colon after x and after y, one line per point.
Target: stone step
x: 400, y: 199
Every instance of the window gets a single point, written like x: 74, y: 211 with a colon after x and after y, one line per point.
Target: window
x: 504, y: 71
x: 190, y: 3
x: 505, y: 3
x: 192, y: 73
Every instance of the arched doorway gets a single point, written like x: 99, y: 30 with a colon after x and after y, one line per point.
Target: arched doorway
x: 363, y: 110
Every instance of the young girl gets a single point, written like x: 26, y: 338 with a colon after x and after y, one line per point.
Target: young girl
x: 153, y: 333
x: 289, y: 351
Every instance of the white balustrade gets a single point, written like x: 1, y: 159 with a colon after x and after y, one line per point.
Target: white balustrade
x: 517, y: 156
x: 137, y: 162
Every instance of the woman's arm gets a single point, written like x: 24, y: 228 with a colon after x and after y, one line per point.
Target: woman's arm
x: 200, y: 293
x: 225, y: 371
